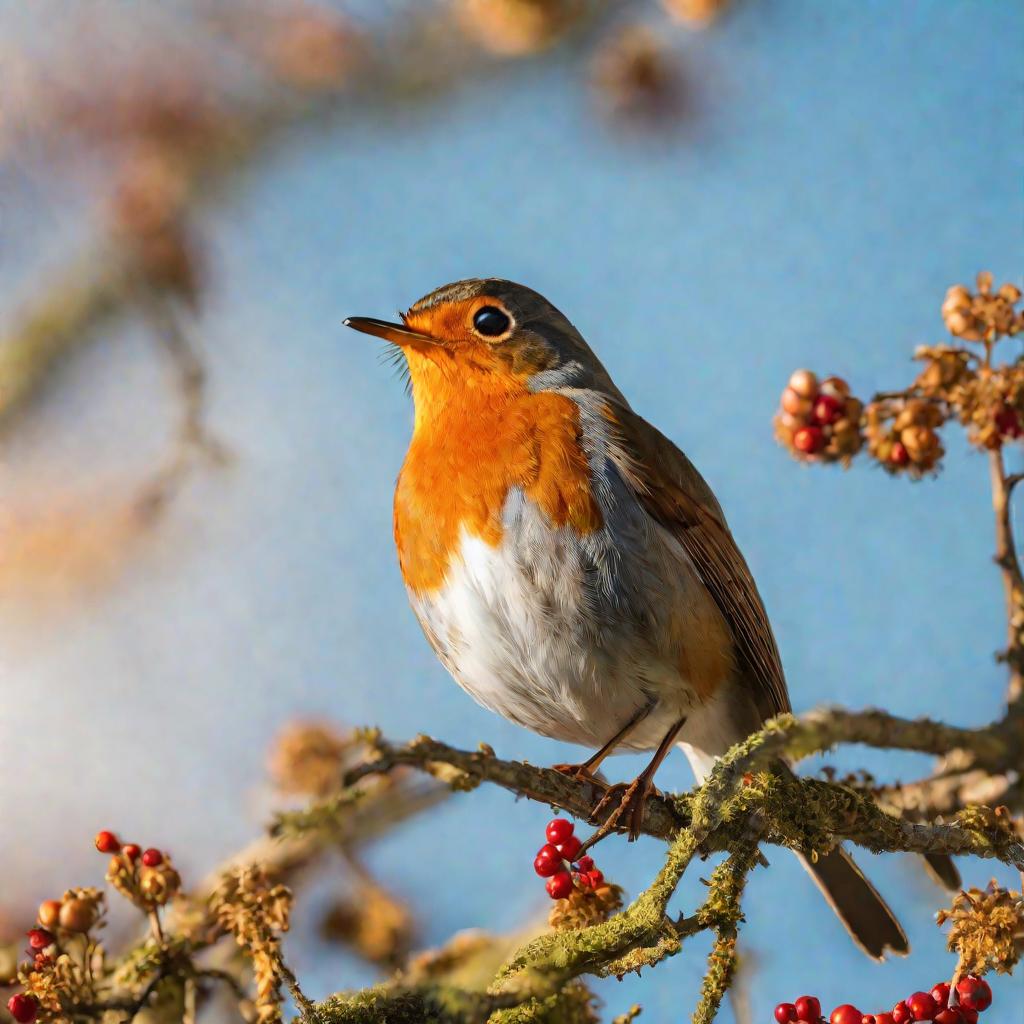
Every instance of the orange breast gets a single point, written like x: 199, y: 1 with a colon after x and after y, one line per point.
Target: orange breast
x: 469, y: 448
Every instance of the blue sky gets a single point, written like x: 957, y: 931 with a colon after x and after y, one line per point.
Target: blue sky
x: 844, y: 163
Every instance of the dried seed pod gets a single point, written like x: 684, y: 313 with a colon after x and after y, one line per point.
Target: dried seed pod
x: 796, y: 404
x: 78, y: 914
x: 49, y: 913
x: 585, y: 907
x: 695, y: 13
x: 515, y: 28
x: 311, y: 49
x: 634, y: 73
x: 835, y: 386
x: 804, y: 383
x: 158, y: 884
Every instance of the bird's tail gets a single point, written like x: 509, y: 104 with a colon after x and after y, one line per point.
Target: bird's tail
x: 857, y: 903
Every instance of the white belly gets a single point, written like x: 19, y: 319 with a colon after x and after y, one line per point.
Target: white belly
x: 560, y: 633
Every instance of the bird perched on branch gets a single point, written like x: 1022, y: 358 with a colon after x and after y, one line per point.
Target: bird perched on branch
x: 569, y: 565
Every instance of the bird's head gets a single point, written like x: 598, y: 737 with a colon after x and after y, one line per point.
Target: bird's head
x: 490, y: 334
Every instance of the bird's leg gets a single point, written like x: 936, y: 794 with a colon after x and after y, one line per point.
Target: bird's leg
x: 588, y: 768
x: 634, y: 796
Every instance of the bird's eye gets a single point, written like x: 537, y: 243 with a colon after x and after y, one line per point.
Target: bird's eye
x: 491, y: 321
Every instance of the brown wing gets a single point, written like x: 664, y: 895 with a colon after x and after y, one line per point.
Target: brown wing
x: 672, y: 491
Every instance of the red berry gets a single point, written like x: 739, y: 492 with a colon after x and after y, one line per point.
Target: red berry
x: 808, y: 1008
x: 968, y: 1015
x: 547, y: 861
x: 974, y: 993
x: 785, y: 1013
x: 107, y: 842
x: 949, y: 1015
x: 898, y: 455
x: 595, y: 878
x: 846, y: 1014
x: 880, y: 1018
x: 901, y: 1013
x: 559, y: 886
x: 152, y: 858
x: 131, y: 850
x: 940, y: 993
x: 922, y: 1006
x: 40, y: 938
x: 1008, y: 422
x: 23, y: 1007
x: 585, y: 864
x: 809, y: 440
x: 828, y: 409
x: 558, y: 830
x: 569, y: 847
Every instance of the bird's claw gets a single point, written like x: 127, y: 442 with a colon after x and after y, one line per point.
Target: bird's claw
x: 578, y: 772
x: 632, y: 803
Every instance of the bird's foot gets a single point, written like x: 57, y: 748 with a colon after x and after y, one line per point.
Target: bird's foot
x: 629, y: 812
x: 579, y: 772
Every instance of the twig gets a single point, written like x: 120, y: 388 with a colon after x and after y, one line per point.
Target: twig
x: 1013, y: 584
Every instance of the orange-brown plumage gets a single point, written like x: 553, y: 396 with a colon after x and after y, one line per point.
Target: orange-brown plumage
x: 479, y: 431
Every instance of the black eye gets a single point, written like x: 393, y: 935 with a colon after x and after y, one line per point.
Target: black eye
x: 491, y: 321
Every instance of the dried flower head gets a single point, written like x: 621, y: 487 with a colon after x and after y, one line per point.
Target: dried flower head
x: 990, y: 403
x: 376, y: 924
x: 147, y: 886
x: 250, y: 906
x: 54, y: 982
x: 902, y: 435
x: 584, y: 907
x: 515, y: 28
x: 945, y: 367
x: 635, y: 73
x: 312, y: 49
x: 986, y: 929
x: 147, y: 215
x: 984, y: 315
x: 308, y: 758
x: 695, y: 13
x: 819, y: 421
x: 461, y: 949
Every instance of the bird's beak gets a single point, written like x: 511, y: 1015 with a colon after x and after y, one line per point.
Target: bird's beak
x: 398, y: 334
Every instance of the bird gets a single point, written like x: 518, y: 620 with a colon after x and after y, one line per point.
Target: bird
x: 568, y: 564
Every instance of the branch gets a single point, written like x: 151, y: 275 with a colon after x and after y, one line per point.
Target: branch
x: 727, y: 884
x: 1013, y: 583
x: 743, y: 802
x: 991, y: 748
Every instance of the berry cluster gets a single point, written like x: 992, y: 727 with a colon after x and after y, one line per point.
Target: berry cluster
x: 555, y: 862
x: 908, y: 438
x: 146, y: 877
x: 983, y: 315
x: 971, y: 997
x: 57, y: 922
x: 819, y: 421
x: 900, y: 428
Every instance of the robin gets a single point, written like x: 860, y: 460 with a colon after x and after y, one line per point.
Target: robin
x: 569, y: 565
